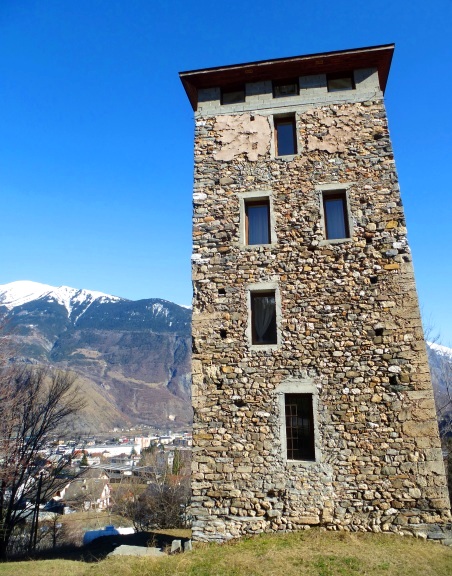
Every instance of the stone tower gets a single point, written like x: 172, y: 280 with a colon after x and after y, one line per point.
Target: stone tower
x: 311, y: 389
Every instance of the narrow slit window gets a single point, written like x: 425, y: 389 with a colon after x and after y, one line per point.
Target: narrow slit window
x: 263, y: 317
x: 286, y: 136
x: 340, y: 82
x: 257, y: 221
x: 299, y: 427
x: 335, y: 213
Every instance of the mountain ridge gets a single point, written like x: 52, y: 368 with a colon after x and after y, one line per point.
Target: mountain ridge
x: 133, y: 357
x: 21, y: 292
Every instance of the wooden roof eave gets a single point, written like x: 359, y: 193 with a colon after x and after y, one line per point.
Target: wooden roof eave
x: 379, y: 57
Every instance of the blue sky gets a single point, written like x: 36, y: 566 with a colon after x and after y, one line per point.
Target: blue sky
x: 96, y: 131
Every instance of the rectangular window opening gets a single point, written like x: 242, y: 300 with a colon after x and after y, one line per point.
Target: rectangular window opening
x: 340, y: 81
x: 233, y: 95
x: 299, y: 427
x: 283, y: 88
x: 286, y: 136
x: 263, y: 318
x: 335, y: 213
x: 257, y: 221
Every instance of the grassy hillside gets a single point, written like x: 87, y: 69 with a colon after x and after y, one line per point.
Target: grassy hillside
x: 304, y: 553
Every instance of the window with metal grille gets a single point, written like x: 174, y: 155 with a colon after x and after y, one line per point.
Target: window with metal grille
x: 299, y: 427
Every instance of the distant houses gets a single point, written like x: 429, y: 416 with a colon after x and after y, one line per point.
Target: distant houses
x: 91, y: 490
x: 96, y: 466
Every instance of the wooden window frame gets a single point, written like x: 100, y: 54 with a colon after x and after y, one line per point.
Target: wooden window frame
x: 278, y: 121
x: 257, y: 202
x: 256, y: 294
x: 336, y: 195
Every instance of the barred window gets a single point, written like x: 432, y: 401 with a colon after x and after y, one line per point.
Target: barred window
x: 299, y: 427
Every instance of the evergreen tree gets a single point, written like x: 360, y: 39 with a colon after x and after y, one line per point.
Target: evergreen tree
x: 177, y: 462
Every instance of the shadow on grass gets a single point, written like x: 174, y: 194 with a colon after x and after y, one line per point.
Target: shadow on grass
x: 99, y: 548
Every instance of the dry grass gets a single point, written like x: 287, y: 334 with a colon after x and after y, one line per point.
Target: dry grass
x: 311, y: 553
x: 44, y: 568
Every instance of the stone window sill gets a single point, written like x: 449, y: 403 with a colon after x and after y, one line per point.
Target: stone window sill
x: 335, y: 241
x: 302, y: 463
x: 264, y: 347
x: 256, y: 246
x: 287, y: 158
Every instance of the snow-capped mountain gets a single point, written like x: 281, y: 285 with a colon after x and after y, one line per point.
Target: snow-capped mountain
x: 132, y: 356
x: 82, y: 307
x: 440, y: 350
x: 74, y: 300
x: 440, y: 360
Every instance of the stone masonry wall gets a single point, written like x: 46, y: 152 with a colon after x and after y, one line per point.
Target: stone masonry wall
x: 350, y: 329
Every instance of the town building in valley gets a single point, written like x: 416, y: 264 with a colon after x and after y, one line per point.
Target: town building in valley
x: 311, y: 390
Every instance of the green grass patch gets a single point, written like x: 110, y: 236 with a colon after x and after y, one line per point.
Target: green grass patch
x: 309, y: 553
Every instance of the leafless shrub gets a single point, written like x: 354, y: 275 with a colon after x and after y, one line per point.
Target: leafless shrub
x: 156, y: 497
x: 34, y: 403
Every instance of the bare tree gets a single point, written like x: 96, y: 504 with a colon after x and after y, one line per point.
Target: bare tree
x: 164, y: 502
x: 158, y: 495
x: 53, y: 531
x: 34, y: 403
x: 127, y: 499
